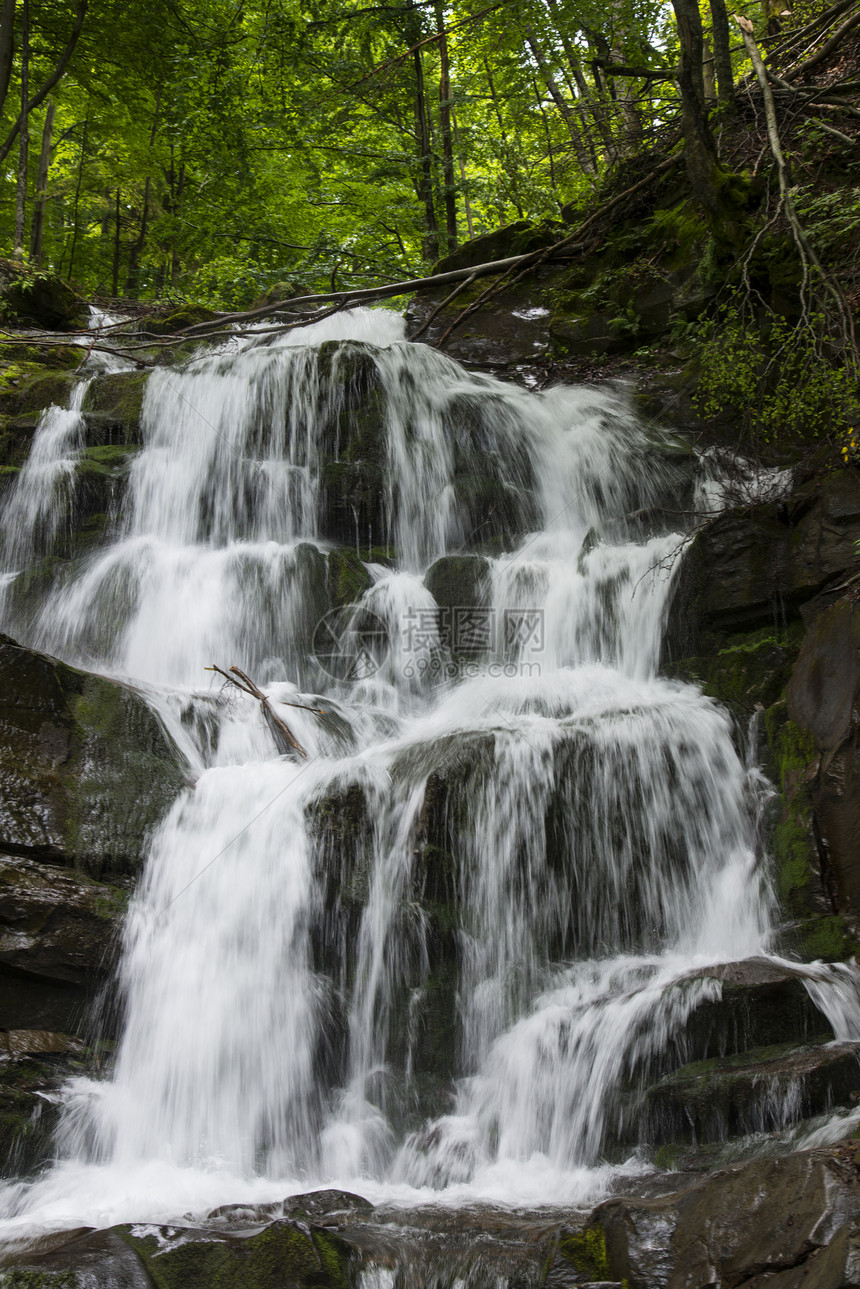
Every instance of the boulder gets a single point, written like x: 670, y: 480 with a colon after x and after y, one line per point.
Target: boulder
x: 751, y: 568
x: 86, y: 769
x: 460, y: 584
x: 758, y: 1090
x: 786, y: 1222
x: 39, y: 299
x: 56, y: 925
x: 112, y: 406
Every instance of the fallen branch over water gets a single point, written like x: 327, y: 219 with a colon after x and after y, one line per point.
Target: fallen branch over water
x: 285, y: 740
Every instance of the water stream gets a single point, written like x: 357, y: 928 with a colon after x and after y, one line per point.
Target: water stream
x: 433, y: 958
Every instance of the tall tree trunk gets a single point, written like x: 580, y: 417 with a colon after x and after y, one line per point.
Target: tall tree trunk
x: 510, y: 164
x: 547, y: 131
x: 422, y: 138
x: 7, y: 46
x: 174, y: 241
x: 467, y: 205
x: 56, y: 75
x: 445, y: 125
x: 78, y: 192
x: 708, y: 77
x: 115, y: 275
x: 582, y: 157
x: 24, y: 139
x: 586, y: 97
x: 136, y: 248
x: 700, y: 152
x: 38, y: 226
x: 132, y: 280
x: 722, y: 55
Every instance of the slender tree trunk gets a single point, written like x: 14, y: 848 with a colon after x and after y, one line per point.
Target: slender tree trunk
x: 24, y: 133
x: 700, y: 152
x: 586, y: 97
x: 624, y: 91
x: 445, y: 125
x: 136, y: 248
x: 422, y: 137
x: 510, y: 165
x: 467, y: 205
x: 708, y: 77
x: 582, y: 157
x: 78, y: 193
x: 56, y: 75
x: 174, y: 243
x: 38, y: 226
x: 115, y: 276
x: 132, y: 280
x: 547, y: 131
x: 7, y: 46
x: 722, y: 55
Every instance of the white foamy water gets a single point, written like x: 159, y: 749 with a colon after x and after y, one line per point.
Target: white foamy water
x: 432, y: 960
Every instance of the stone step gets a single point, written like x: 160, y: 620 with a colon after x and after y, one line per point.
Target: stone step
x: 759, y: 1090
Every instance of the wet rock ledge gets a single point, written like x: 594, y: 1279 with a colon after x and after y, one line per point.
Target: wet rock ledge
x: 785, y: 1223
x: 86, y: 772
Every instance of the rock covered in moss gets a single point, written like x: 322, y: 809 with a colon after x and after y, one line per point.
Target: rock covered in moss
x: 286, y: 1255
x: 113, y: 404
x: 86, y: 769
x: 39, y: 299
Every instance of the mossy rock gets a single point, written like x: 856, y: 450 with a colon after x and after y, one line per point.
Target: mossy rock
x: 348, y: 578
x: 585, y: 1251
x: 43, y: 300
x: 285, y: 1255
x: 758, y: 1090
x: 749, y: 671
x: 27, y: 389
x: 169, y: 324
x: 460, y: 585
x: 86, y: 769
x: 113, y: 405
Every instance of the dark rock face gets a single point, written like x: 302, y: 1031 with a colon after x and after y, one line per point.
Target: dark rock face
x: 750, y: 568
x: 751, y: 607
x: 824, y: 698
x: 86, y: 773
x: 759, y: 1090
x: 785, y: 1222
x: 86, y: 770
x: 56, y: 925
x: 41, y: 301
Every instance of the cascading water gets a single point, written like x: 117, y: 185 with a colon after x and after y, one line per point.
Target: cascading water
x: 437, y: 953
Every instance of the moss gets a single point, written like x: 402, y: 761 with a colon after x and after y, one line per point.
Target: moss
x: 752, y: 671
x: 26, y: 389
x: 348, y: 579
x: 24, y: 1278
x: 282, y: 1255
x: 116, y: 402
x: 792, y: 749
x: 168, y: 324
x: 586, y: 1252
x: 829, y: 939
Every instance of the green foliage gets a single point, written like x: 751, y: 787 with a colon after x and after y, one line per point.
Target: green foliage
x: 20, y: 1278
x: 776, y: 378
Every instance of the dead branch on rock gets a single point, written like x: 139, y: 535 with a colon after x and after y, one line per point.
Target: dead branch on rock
x: 809, y: 259
x: 285, y: 740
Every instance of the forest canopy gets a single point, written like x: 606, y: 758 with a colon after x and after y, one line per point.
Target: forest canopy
x: 212, y: 148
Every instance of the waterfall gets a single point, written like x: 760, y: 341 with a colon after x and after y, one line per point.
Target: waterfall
x: 435, y: 955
